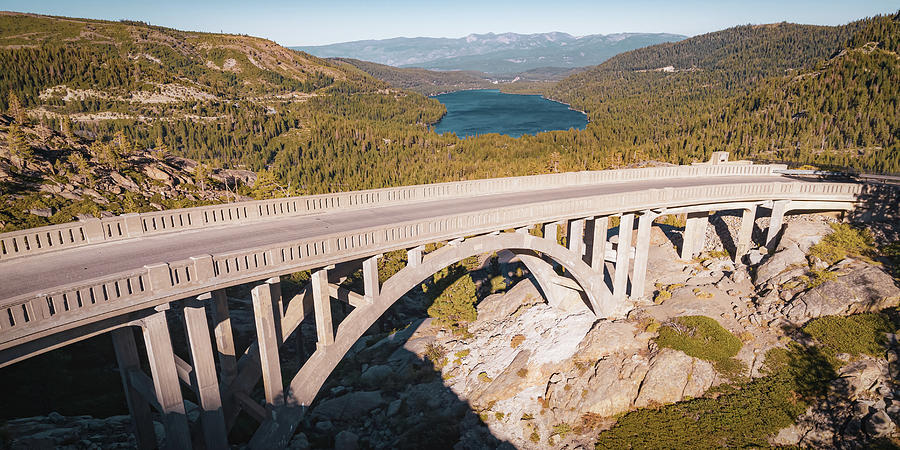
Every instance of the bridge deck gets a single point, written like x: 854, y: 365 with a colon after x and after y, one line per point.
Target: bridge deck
x: 43, y: 272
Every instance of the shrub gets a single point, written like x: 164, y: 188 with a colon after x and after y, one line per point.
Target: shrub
x: 818, y: 277
x: 455, y: 307
x: 435, y: 353
x: 892, y: 253
x: 702, y: 337
x: 561, y: 430
x: 843, y: 241
x: 855, y: 335
x: 498, y: 284
x: 390, y: 264
x: 484, y: 378
x: 522, y: 373
x: 673, y: 220
x: 661, y: 296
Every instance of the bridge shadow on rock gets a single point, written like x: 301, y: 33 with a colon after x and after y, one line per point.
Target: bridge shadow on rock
x: 387, y: 391
x: 878, y: 203
x: 387, y: 396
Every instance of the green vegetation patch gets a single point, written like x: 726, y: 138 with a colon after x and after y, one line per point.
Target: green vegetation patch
x: 455, y: 307
x: 745, y: 415
x: 860, y: 334
x: 701, y: 337
x: 844, y: 241
x: 742, y: 417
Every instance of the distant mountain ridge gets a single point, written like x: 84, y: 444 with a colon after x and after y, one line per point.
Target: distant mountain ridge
x: 493, y: 53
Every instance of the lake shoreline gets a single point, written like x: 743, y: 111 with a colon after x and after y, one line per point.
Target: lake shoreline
x: 473, y: 112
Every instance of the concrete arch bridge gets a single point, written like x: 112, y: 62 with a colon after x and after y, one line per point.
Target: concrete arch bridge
x: 118, y: 275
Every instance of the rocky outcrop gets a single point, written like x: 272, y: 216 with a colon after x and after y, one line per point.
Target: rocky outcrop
x: 858, y: 288
x: 861, y: 407
x: 789, y: 259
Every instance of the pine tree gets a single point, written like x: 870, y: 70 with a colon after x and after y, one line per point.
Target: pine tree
x: 160, y: 150
x: 82, y: 167
x: 201, y: 176
x: 123, y: 147
x: 455, y: 307
x: 15, y: 109
x: 65, y: 127
x: 18, y: 147
x: 553, y: 162
x: 266, y: 186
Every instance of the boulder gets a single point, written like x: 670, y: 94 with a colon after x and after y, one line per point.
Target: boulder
x: 350, y: 405
x: 124, y: 182
x: 795, y: 242
x: 775, y: 267
x: 614, y: 385
x: 41, y: 212
x: 804, y: 234
x: 499, y: 307
x: 375, y: 375
x: 346, y: 440
x: 861, y: 288
x: 505, y: 385
x: 606, y: 338
x: 672, y: 376
x: 159, y: 175
x: 299, y: 442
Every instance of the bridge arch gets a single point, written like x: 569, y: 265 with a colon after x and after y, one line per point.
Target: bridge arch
x: 307, y: 382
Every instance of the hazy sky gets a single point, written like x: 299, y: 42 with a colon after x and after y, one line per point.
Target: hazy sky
x: 328, y: 21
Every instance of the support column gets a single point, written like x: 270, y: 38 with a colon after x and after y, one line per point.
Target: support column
x: 414, y: 256
x: 322, y: 307
x: 165, y: 379
x: 775, y: 223
x: 598, y: 244
x: 206, y: 383
x: 224, y: 336
x: 641, y: 254
x: 694, y: 234
x: 371, y: 287
x: 623, y: 250
x: 575, y: 235
x: 551, y: 231
x: 128, y: 360
x: 745, y: 234
x: 267, y: 339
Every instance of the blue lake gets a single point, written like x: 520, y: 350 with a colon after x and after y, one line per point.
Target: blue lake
x: 483, y: 111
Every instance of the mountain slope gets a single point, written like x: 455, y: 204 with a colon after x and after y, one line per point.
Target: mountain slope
x: 493, y: 53
x: 427, y: 82
x: 805, y: 93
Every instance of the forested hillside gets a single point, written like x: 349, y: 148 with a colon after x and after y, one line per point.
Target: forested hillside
x: 823, y: 95
x: 427, y: 82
